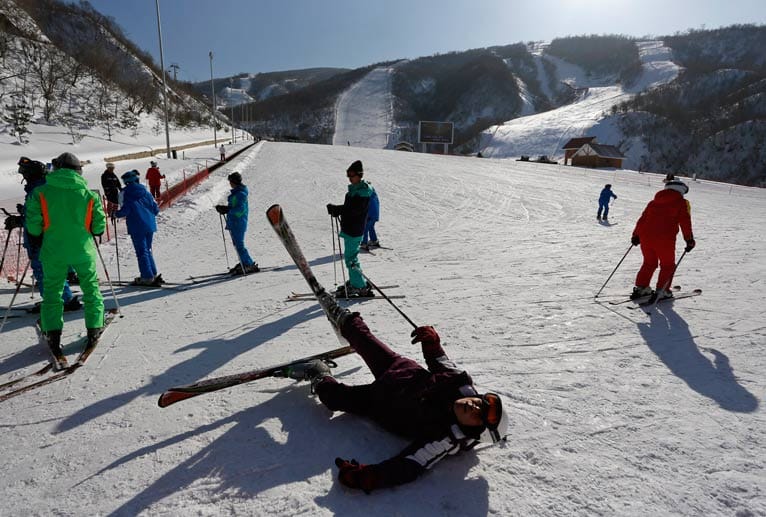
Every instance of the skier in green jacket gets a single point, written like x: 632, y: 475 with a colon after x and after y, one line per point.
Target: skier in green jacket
x: 63, y: 216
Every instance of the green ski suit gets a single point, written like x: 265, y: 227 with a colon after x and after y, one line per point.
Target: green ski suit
x: 67, y: 214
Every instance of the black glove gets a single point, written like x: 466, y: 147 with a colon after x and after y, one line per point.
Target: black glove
x: 354, y: 475
x: 690, y: 245
x: 14, y: 221
x: 222, y: 209
x: 20, y: 208
x: 635, y: 241
x: 334, y: 210
x: 36, y: 241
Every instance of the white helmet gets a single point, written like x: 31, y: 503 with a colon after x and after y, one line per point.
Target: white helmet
x: 153, y: 163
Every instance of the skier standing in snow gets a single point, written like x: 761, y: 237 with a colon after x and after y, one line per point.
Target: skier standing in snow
x: 222, y: 150
x: 656, y: 232
x: 236, y: 212
x: 154, y: 178
x: 112, y: 187
x: 33, y: 173
x: 353, y: 214
x: 370, y: 237
x: 140, y: 210
x: 62, y: 217
x: 438, y: 408
x: 603, y: 202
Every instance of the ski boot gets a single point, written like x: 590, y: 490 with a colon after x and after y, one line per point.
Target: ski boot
x: 640, y: 292
x: 158, y: 280
x: 335, y: 313
x: 314, y: 371
x: 53, y: 338
x: 374, y: 244
x: 664, y: 293
x: 73, y: 304
x: 143, y: 281
x: 252, y: 269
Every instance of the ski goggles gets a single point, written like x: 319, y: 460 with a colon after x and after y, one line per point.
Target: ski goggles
x: 491, y: 414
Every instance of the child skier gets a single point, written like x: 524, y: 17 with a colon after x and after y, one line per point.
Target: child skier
x: 236, y: 212
x: 603, y: 202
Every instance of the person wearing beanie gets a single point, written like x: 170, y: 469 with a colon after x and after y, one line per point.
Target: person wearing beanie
x: 62, y: 217
x: 236, y: 211
x: 603, y: 202
x: 112, y: 187
x: 353, y: 217
x: 33, y: 175
x: 140, y: 211
x: 656, y: 232
x: 154, y: 178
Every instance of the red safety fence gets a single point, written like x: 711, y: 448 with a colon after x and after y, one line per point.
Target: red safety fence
x: 15, y: 256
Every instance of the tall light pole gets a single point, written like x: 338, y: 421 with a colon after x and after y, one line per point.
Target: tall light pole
x: 164, y: 86
x: 212, y: 91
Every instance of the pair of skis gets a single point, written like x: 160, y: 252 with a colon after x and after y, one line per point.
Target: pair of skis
x: 109, y: 316
x: 277, y: 220
x: 295, y: 297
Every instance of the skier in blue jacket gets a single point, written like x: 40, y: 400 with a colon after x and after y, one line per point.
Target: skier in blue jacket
x: 603, y: 202
x: 236, y: 222
x: 370, y: 237
x: 139, y: 209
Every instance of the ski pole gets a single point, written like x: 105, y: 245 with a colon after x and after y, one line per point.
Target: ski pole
x: 334, y: 264
x: 108, y: 280
x: 388, y: 300
x: 10, y: 305
x: 116, y: 248
x: 5, y: 249
x: 613, y: 272
x: 667, y: 284
x: 340, y: 252
x: 223, y: 236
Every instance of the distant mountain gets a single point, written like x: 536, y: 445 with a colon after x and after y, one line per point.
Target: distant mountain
x: 261, y: 86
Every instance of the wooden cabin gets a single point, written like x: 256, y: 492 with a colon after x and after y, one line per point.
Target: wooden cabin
x: 598, y: 155
x: 574, y: 144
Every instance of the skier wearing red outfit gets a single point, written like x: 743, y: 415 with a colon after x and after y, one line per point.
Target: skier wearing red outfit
x: 656, y: 232
x: 154, y: 177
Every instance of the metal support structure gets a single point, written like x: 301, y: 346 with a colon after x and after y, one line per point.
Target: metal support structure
x: 164, y: 85
x: 212, y: 92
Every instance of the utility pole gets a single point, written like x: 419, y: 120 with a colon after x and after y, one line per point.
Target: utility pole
x: 212, y: 92
x: 164, y: 85
x: 175, y: 68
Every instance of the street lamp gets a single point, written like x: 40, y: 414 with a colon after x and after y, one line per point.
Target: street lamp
x: 212, y: 91
x: 164, y: 86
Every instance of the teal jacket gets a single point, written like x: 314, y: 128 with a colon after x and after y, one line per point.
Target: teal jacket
x: 353, y: 211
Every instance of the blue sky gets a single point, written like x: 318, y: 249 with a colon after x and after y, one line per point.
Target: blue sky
x: 271, y: 35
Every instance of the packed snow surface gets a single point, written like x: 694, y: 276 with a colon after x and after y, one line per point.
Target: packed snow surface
x: 612, y: 411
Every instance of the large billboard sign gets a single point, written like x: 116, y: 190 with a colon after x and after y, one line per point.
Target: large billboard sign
x: 435, y: 132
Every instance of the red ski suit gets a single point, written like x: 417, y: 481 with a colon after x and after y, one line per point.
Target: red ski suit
x: 657, y: 229
x: 154, y: 178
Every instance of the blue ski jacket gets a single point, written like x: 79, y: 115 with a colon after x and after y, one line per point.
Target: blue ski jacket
x: 606, y: 196
x: 139, y: 209
x: 236, y: 218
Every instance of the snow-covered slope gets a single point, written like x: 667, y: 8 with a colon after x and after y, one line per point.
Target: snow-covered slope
x: 612, y: 412
x: 363, y: 113
x: 545, y: 133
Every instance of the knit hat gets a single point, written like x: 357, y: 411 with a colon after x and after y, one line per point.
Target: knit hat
x: 67, y: 161
x: 131, y: 177
x: 356, y: 167
x: 109, y: 165
x: 235, y: 178
x: 678, y: 186
x: 153, y: 163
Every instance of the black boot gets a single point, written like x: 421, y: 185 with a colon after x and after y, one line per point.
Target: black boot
x: 73, y: 305
x: 53, y: 338
x: 93, y: 336
x: 335, y: 313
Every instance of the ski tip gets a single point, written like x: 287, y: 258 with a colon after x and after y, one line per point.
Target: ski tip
x: 274, y: 214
